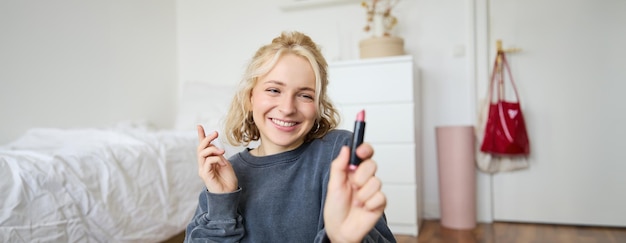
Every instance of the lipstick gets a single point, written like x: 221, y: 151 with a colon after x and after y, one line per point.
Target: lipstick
x: 357, y: 139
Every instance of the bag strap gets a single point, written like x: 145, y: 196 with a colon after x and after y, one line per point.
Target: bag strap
x: 505, y: 63
x: 497, y: 75
x: 494, y: 71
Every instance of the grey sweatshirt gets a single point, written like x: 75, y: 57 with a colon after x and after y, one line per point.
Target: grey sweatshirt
x: 280, y: 199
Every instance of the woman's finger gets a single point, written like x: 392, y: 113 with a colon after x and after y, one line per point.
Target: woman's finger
x: 365, y: 171
x: 367, y: 191
x: 210, y: 152
x: 206, y: 141
x: 338, y: 168
x: 201, y: 135
x: 209, y: 162
x: 365, y: 151
x: 378, y: 201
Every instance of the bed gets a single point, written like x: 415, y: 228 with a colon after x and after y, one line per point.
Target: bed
x: 127, y: 182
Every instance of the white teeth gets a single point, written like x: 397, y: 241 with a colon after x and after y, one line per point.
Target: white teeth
x: 283, y: 123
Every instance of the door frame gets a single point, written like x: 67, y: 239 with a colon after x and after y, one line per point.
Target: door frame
x: 479, y: 57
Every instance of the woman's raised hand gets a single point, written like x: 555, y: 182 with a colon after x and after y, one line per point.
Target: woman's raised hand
x: 354, y: 202
x: 216, y: 172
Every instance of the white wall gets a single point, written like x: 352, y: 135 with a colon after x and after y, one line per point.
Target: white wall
x: 71, y: 63
x: 216, y: 39
x: 75, y: 63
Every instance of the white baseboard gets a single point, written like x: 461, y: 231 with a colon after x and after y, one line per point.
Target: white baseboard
x: 398, y: 229
x: 431, y: 210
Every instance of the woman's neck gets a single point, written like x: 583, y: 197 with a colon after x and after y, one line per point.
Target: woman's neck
x: 265, y: 150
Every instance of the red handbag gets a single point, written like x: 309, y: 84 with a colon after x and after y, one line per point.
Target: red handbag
x: 505, y: 131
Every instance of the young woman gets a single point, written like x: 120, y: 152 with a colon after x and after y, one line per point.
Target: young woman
x: 296, y: 185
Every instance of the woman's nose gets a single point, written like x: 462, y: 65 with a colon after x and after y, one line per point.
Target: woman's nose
x: 287, y: 105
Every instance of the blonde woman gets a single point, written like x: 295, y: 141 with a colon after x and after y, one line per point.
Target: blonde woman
x: 295, y: 186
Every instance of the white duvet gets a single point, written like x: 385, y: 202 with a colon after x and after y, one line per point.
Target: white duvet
x: 121, y: 184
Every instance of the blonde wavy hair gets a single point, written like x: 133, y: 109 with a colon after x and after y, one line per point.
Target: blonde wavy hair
x: 239, y: 125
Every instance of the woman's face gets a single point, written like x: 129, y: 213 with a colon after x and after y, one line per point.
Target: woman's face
x: 283, y: 104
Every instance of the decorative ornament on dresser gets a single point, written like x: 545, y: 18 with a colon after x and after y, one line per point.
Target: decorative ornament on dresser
x: 380, y: 23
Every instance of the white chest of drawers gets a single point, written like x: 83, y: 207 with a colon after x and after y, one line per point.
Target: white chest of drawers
x: 386, y: 89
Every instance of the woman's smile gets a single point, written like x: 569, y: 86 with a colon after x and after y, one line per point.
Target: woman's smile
x: 283, y: 104
x: 283, y: 123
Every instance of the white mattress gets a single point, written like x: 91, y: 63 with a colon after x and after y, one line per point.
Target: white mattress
x: 119, y: 184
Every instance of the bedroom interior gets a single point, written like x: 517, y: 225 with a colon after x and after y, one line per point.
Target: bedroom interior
x: 110, y: 74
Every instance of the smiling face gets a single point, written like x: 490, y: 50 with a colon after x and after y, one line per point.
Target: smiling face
x: 284, y: 105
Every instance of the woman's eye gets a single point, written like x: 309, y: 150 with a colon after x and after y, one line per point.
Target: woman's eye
x: 307, y: 97
x: 272, y: 90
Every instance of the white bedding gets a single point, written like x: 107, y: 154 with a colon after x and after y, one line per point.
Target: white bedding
x: 119, y: 184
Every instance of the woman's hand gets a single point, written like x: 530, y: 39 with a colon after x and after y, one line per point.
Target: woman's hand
x: 216, y: 172
x: 354, y: 202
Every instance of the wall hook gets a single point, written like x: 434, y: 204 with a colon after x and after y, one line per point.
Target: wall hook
x: 501, y: 50
x: 510, y: 50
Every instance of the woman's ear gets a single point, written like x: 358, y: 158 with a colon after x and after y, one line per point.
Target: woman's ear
x: 248, y: 104
x: 249, y: 101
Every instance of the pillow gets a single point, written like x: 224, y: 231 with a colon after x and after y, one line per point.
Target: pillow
x: 206, y: 104
x: 203, y: 103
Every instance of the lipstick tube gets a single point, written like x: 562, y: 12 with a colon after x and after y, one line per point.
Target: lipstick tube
x: 357, y: 139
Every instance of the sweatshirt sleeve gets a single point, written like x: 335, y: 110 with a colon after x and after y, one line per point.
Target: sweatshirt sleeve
x: 216, y: 219
x: 379, y: 234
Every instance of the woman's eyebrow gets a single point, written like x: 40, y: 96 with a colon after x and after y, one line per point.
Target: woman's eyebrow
x: 283, y: 84
x: 275, y: 82
x: 307, y: 89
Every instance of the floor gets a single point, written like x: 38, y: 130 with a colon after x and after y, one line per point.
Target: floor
x: 432, y: 232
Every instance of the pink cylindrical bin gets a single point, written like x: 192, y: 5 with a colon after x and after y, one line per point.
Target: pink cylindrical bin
x: 457, y: 176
